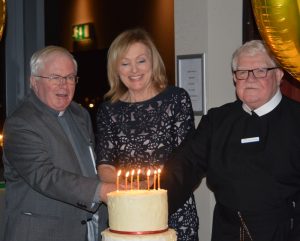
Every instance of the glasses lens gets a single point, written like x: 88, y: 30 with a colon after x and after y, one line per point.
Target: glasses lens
x: 71, y: 78
x: 55, y: 79
x: 260, y: 73
x: 241, y: 74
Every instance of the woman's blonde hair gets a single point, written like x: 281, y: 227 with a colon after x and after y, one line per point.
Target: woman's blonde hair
x: 117, y: 50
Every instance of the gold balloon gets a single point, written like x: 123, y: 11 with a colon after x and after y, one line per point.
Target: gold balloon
x: 2, y: 17
x: 278, y: 22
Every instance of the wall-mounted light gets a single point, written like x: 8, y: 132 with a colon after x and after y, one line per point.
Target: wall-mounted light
x: 83, y: 32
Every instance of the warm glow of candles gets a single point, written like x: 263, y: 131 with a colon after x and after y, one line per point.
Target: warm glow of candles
x: 118, y: 177
x: 154, y: 180
x: 126, y: 177
x: 148, y: 178
x: 138, y: 179
x: 131, y: 179
x: 158, y: 178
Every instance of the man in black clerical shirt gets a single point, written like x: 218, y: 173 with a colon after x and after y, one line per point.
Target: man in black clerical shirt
x: 249, y: 151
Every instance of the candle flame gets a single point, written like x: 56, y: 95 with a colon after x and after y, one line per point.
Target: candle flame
x: 148, y: 172
x: 127, y: 174
x: 132, y: 172
x: 139, y: 171
x: 159, y: 171
x: 119, y: 173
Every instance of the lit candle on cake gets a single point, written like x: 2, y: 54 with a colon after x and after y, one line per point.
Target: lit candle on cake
x: 126, y: 177
x: 138, y: 178
x: 118, y: 177
x: 158, y: 178
x: 131, y: 179
x: 155, y: 173
x: 148, y: 178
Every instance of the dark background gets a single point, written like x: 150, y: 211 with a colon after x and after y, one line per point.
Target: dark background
x: 156, y: 16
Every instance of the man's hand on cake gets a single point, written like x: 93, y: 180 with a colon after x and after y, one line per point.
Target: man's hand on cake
x: 107, y: 173
x: 106, y: 188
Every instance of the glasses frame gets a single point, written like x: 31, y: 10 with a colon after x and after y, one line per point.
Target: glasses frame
x: 60, y: 78
x: 253, y: 72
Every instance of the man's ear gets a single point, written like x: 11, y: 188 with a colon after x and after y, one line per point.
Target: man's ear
x: 279, y: 75
x: 33, y: 84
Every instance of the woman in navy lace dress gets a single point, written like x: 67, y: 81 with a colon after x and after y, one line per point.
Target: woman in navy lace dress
x: 144, y: 119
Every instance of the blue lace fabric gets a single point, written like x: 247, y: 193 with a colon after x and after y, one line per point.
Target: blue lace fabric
x: 144, y: 134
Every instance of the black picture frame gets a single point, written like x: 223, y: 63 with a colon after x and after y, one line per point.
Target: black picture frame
x: 191, y: 77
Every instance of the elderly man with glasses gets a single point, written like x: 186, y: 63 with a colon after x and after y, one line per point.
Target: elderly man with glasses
x: 52, y: 190
x: 249, y: 151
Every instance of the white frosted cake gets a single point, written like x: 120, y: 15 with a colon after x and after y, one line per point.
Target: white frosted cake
x: 138, y: 215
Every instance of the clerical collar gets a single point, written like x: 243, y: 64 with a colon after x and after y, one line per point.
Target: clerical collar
x: 267, y: 107
x: 61, y: 113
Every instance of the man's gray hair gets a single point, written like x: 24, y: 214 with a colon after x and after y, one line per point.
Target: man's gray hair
x: 39, y: 58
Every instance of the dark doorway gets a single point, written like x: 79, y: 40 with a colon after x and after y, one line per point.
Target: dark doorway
x: 92, y: 83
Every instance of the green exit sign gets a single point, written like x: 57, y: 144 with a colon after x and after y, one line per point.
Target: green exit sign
x: 82, y: 32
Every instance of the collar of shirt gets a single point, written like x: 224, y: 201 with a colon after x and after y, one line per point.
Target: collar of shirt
x: 267, y: 107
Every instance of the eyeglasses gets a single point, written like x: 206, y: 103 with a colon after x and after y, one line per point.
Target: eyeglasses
x: 257, y: 73
x: 57, y: 79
